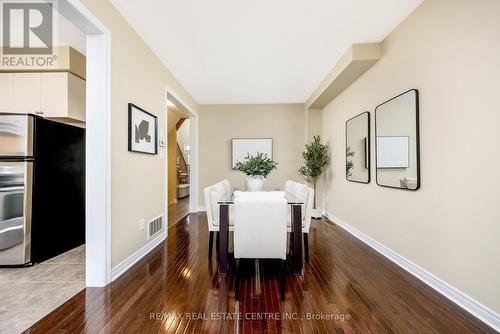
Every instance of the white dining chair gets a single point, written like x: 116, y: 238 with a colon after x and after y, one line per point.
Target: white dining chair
x: 260, y: 233
x: 213, y: 194
x: 227, y: 187
x: 305, y: 194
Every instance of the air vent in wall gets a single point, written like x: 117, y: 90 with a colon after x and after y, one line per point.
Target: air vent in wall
x: 155, y: 226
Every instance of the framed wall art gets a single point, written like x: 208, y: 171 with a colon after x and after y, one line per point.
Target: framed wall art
x: 142, y: 130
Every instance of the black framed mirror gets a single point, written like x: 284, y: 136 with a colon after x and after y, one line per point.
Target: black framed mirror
x: 357, y: 142
x: 397, y: 142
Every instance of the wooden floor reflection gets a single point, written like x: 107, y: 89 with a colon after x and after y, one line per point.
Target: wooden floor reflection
x: 178, y: 210
x: 346, y: 287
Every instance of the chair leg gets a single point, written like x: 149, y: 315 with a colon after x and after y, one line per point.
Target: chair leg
x: 217, y: 243
x: 282, y: 279
x: 237, y: 280
x: 210, y: 244
x: 306, y: 246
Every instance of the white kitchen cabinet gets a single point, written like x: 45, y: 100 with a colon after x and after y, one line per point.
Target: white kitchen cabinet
x: 6, y: 92
x: 63, y: 96
x: 27, y: 92
x: 76, y: 97
x: 58, y: 95
x: 54, y: 87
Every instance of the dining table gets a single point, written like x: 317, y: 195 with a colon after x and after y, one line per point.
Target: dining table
x: 296, y: 225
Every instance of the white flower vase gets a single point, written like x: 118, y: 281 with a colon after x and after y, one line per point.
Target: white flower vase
x: 255, y: 183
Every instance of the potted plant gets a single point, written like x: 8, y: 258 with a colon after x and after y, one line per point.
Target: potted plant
x: 316, y: 159
x: 257, y: 168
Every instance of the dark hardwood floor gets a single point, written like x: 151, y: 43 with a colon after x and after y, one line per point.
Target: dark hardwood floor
x: 176, y: 289
x: 178, y: 210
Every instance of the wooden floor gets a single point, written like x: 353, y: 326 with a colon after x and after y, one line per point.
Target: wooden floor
x: 178, y: 210
x: 175, y: 289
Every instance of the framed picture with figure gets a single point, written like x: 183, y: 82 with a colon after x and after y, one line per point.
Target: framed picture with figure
x: 142, y: 130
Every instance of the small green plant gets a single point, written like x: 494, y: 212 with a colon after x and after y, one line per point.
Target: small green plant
x: 258, y: 165
x: 349, y: 164
x: 316, y: 159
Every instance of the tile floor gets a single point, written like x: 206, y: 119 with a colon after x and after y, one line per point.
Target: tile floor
x: 28, y: 294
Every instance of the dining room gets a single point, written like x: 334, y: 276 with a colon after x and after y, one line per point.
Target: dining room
x: 338, y: 176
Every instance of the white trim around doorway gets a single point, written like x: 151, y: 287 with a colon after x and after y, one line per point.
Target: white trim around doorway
x: 193, y: 142
x: 98, y: 142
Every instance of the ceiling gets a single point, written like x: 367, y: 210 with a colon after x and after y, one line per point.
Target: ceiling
x: 258, y: 51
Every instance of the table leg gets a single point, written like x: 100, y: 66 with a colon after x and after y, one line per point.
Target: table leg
x: 223, y: 235
x: 297, y: 239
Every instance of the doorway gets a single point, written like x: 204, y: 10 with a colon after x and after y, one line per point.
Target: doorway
x: 181, y: 159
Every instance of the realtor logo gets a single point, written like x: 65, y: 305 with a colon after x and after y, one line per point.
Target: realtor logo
x: 27, y: 27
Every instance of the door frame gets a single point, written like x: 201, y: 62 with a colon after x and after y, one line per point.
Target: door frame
x: 193, y: 143
x: 98, y: 142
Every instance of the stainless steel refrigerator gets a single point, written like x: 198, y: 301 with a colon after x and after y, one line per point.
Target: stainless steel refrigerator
x: 42, y: 188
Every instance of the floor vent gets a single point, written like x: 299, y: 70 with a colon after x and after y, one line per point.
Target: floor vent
x: 155, y: 226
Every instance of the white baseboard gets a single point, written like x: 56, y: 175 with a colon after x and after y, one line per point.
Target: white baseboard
x: 483, y: 313
x: 139, y: 254
x: 202, y: 209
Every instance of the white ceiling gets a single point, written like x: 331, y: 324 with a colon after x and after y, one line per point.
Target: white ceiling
x: 258, y: 51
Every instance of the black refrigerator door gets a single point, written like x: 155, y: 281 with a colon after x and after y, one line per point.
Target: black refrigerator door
x: 59, y: 189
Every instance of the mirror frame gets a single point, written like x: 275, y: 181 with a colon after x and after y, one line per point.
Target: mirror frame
x: 417, y: 131
x: 369, y: 164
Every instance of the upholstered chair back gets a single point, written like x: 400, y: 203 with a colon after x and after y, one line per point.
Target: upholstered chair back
x: 260, y: 228
x: 213, y: 194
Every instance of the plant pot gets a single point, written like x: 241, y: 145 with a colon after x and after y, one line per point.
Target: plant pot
x: 255, y: 183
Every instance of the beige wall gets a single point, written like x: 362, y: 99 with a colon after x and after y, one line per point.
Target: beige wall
x: 138, y: 179
x: 219, y: 123
x: 449, y: 51
x: 313, y: 123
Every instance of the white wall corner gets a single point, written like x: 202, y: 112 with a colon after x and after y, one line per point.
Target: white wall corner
x: 98, y: 141
x: 483, y: 313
